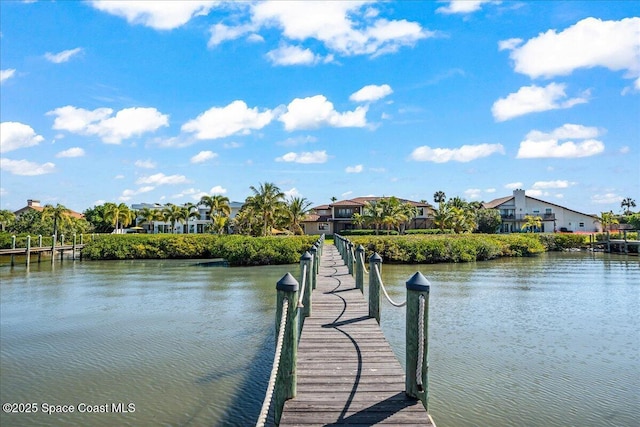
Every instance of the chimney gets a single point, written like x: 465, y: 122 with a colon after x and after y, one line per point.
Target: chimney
x: 520, y: 201
x: 32, y: 203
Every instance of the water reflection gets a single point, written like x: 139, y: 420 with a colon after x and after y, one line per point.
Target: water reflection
x: 548, y: 340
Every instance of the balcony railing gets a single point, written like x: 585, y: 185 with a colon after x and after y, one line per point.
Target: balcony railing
x: 520, y: 217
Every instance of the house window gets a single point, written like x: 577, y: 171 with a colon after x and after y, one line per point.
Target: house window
x: 323, y: 226
x: 420, y: 212
x: 547, y: 211
x: 582, y: 224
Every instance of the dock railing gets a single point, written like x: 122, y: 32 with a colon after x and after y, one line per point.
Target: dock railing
x: 294, y: 303
x: 417, y: 312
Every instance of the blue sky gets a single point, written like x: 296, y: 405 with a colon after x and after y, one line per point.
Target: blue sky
x: 167, y: 101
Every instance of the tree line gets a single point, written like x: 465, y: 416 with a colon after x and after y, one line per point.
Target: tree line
x: 267, y: 211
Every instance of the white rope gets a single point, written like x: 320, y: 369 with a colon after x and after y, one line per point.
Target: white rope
x: 262, y: 419
x: 304, y: 279
x: 364, y: 268
x: 420, y: 344
x: 392, y: 302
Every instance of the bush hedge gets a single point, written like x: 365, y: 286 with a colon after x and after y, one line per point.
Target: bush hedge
x: 450, y: 248
x: 237, y: 250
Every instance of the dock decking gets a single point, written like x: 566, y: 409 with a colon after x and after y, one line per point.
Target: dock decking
x: 347, y: 372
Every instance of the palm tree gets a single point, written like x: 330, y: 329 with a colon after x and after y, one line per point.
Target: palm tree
x: 373, y: 214
x: 6, y: 218
x: 189, y: 213
x: 627, y: 204
x: 266, y: 201
x: 607, y: 219
x: 150, y: 215
x: 174, y: 215
x: 358, y: 219
x: 531, y: 223
x: 218, y: 207
x: 119, y: 215
x: 296, y: 210
x: 439, y: 197
x: 60, y: 215
x: 442, y: 217
x: 462, y: 220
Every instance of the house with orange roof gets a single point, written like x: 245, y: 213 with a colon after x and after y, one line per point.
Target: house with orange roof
x: 338, y: 216
x: 33, y: 204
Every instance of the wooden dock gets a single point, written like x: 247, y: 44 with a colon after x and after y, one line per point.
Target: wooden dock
x: 346, y: 370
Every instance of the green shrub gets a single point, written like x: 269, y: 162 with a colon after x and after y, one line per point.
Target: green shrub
x: 237, y: 250
x: 430, y: 231
x: 562, y: 241
x: 448, y: 248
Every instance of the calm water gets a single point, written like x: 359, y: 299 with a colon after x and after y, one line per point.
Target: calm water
x: 552, y: 340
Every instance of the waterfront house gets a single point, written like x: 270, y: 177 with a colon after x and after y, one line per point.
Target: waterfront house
x: 555, y: 218
x: 35, y: 205
x: 199, y: 225
x: 338, y: 216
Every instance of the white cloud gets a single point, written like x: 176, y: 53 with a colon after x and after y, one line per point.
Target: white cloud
x: 218, y: 189
x: 624, y: 149
x: 14, y: 135
x: 292, y: 193
x: 316, y: 111
x: 514, y: 185
x: 293, y: 55
x: 354, y: 169
x: 371, y: 93
x: 203, y: 156
x: 125, y: 124
x: 536, y: 193
x: 6, y: 74
x: 145, y: 164
x: 64, y: 56
x: 71, y: 152
x: 298, y: 140
x: 165, y: 15
x: 128, y: 194
x: 533, y: 99
x: 490, y: 190
x: 161, y: 179
x: 25, y: 167
x: 539, y: 144
x: 232, y: 145
x: 509, y: 44
x: 305, y: 157
x: 462, y: 6
x: 607, y: 198
x: 235, y: 118
x: 473, y: 193
x: 119, y: 176
x: 221, y: 33
x: 539, y: 185
x: 464, y: 154
x: 347, y: 28
x: 347, y: 193
x: 589, y: 43
x: 3, y: 191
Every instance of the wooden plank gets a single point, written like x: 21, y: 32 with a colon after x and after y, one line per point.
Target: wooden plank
x: 347, y: 372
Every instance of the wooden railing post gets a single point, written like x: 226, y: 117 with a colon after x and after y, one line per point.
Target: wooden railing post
x: 305, y: 263
x: 314, y: 265
x: 360, y: 268
x: 287, y: 288
x: 73, y: 248
x: 374, y: 286
x: 61, y: 247
x: 28, y: 251
x: 39, y: 246
x: 350, y: 257
x: 416, y: 377
x: 53, y: 248
x: 13, y: 246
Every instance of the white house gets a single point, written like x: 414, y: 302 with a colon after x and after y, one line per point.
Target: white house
x: 514, y: 208
x: 198, y: 225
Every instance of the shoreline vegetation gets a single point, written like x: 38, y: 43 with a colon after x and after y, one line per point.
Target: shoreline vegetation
x: 246, y: 251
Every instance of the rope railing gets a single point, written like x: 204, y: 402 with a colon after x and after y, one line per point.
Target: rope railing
x: 293, y: 304
x: 420, y: 358
x: 266, y: 404
x: 303, y: 283
x: 384, y: 289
